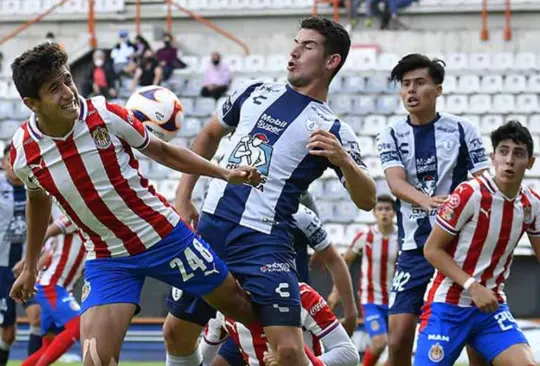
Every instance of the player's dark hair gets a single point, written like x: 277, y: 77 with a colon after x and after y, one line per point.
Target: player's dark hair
x: 515, y: 131
x: 6, y: 149
x: 36, y: 66
x: 384, y: 198
x: 417, y: 61
x: 337, y: 39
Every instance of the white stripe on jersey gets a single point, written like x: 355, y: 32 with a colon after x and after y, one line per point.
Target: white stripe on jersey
x: 94, y: 176
x: 379, y: 256
x: 488, y: 227
x: 272, y: 125
x: 436, y: 158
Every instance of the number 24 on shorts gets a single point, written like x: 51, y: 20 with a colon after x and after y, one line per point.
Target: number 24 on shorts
x: 195, y: 261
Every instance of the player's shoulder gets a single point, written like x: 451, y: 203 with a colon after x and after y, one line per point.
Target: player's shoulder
x: 468, y: 190
x: 452, y: 123
x: 399, y: 127
x: 531, y: 193
x: 19, y: 140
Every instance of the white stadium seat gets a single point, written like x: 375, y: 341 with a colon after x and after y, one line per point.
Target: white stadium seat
x: 527, y: 103
x: 457, y: 61
x: 491, y: 84
x: 517, y: 117
x: 473, y: 120
x: 334, y: 189
x: 254, y: 63
x: 354, y: 84
x: 167, y: 188
x: 363, y: 104
x: 450, y: 84
x: 366, y: 146
x: 8, y: 128
x: 525, y: 61
x: 356, y: 123
x: 374, y: 124
x: 387, y: 61
x: 503, y: 103
x: 515, y: 83
x: 341, y: 103
x: 351, y: 231
x: 317, y: 188
x: 534, y: 123
x: 235, y: 62
x: 326, y: 210
x: 276, y: 62
x: 456, y: 104
x: 533, y: 84
x: 480, y: 103
x: 479, y: 61
x: 346, y: 211
x: 468, y: 84
x: 491, y: 122
x: 190, y: 127
x: 10, y: 7
x: 503, y: 61
x: 336, y: 233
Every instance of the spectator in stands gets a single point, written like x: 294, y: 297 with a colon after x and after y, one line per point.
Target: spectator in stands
x: 102, y: 77
x: 149, y: 72
x: 352, y: 9
x: 49, y: 37
x: 216, y: 78
x: 395, y: 5
x: 168, y: 57
x: 122, y: 53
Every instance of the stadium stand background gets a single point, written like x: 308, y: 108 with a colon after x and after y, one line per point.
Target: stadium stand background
x: 487, y: 81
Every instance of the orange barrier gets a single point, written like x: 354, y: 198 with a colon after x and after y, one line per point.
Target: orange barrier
x: 507, y: 26
x: 169, y: 16
x: 211, y: 25
x: 335, y: 3
x: 484, y: 35
x: 31, y: 22
x: 91, y: 24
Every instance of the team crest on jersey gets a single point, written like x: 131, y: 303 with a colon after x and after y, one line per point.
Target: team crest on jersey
x: 130, y: 117
x: 447, y: 213
x: 311, y: 125
x: 436, y: 353
x: 448, y: 144
x: 253, y: 151
x: 527, y: 215
x: 85, y: 291
x: 375, y: 326
x: 454, y: 201
x: 101, y: 137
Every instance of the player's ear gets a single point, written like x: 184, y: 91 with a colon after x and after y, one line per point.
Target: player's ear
x: 531, y: 162
x: 492, y: 156
x: 30, y: 103
x: 333, y: 61
x: 439, y: 90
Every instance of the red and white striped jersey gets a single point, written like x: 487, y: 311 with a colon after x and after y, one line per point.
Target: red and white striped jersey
x: 378, y: 264
x: 317, y: 319
x: 487, y: 227
x: 67, y: 260
x: 93, y: 174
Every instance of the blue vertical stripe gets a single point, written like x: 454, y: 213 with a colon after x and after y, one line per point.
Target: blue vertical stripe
x: 286, y: 108
x: 464, y: 162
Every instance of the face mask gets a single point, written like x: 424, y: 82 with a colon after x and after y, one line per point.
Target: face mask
x: 99, y: 63
x: 216, y: 62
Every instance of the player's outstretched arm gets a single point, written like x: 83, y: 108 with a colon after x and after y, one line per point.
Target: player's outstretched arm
x: 402, y: 189
x: 38, y: 211
x: 535, y: 243
x: 335, y: 295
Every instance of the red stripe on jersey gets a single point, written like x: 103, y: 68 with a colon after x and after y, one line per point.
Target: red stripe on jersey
x: 66, y: 248
x: 159, y: 223
x: 84, y: 185
x: 43, y: 175
x: 369, y: 254
x: 259, y: 343
x: 356, y: 238
x: 384, y: 269
x: 477, y: 243
x: 316, y: 345
x: 502, y: 243
x: 12, y: 154
x: 76, y: 265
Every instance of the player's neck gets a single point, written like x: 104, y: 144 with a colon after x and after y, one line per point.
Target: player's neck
x: 59, y: 128
x: 423, y: 118
x: 314, y: 90
x: 510, y: 190
x: 386, y: 230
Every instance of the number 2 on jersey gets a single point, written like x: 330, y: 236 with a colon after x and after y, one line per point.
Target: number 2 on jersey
x: 400, y: 280
x: 502, y: 317
x: 193, y: 260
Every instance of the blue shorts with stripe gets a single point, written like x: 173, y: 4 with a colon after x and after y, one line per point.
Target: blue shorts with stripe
x: 58, y: 307
x: 263, y: 265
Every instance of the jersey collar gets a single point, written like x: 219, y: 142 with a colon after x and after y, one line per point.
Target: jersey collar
x: 437, y: 117
x: 492, y: 187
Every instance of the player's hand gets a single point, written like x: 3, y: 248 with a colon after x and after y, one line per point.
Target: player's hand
x: 18, y: 268
x: 244, y: 174
x: 316, y: 260
x: 269, y: 358
x: 483, y: 298
x: 24, y: 287
x: 187, y: 211
x: 333, y: 299
x: 349, y: 323
x: 433, y: 203
x: 323, y: 143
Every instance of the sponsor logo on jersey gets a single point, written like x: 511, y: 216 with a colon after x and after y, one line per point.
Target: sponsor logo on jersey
x: 426, y: 164
x: 317, y: 307
x: 436, y: 353
x: 253, y: 151
x: 101, y: 138
x: 276, y: 267
x: 454, y: 201
x: 273, y: 125
x: 438, y: 337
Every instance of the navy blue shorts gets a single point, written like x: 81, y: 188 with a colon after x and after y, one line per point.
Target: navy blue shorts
x: 263, y: 265
x: 412, y: 276
x: 8, y: 311
x: 445, y: 329
x: 231, y: 353
x: 181, y: 259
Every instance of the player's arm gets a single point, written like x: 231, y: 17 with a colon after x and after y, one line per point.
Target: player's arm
x: 339, y: 349
x: 535, y: 243
x: 476, y: 157
x: 451, y: 218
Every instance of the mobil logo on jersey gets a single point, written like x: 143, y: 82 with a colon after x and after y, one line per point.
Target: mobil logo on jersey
x: 271, y: 124
x: 255, y: 151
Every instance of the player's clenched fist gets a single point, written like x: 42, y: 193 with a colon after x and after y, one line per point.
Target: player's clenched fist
x: 23, y: 288
x: 244, y: 174
x: 483, y: 298
x: 323, y: 143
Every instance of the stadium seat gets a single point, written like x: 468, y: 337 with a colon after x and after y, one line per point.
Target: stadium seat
x: 204, y: 107
x: 277, y: 62
x: 491, y: 84
x: 503, y: 103
x: 374, y: 124
x: 486, y: 140
x: 363, y: 104
x: 190, y: 127
x: 387, y: 104
x: 180, y: 141
x: 468, y: 84
x: 515, y: 83
x: 479, y: 103
x: 395, y: 118
x: 6, y: 109
x: 441, y: 104
x: 503, y: 61
x: 377, y: 84
x: 235, y: 62
x: 21, y: 111
x: 534, y: 123
x: 366, y: 146
x: 533, y: 84
x: 334, y: 190
x: 336, y: 233
x: 345, y: 211
x: 341, y: 104
x: 456, y: 104
x: 534, y: 171
x: 354, y: 84
x: 457, y: 61
x: 491, y: 122
x: 30, y: 7
x: 2, y: 147
x: 10, y: 7
x: 326, y: 211
x: 527, y: 103
x: 525, y: 61
x: 361, y: 60
x: 374, y: 166
x: 254, y: 63
x: 167, y: 188
x: 351, y: 231
x: 356, y: 123
x: 450, y: 84
x: 317, y: 188
x: 193, y: 65
x: 473, y: 120
x: 8, y: 128
x: 192, y: 88
x: 517, y: 117
x: 479, y: 61
x: 72, y: 7
x: 364, y: 217
x: 336, y: 86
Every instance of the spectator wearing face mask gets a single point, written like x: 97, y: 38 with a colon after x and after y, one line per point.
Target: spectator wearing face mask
x: 216, y: 78
x: 149, y: 72
x: 122, y: 53
x: 168, y: 57
x: 102, y: 76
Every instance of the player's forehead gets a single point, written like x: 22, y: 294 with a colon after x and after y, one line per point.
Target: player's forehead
x: 512, y: 145
x: 416, y: 74
x: 309, y: 36
x: 383, y: 206
x: 57, y: 76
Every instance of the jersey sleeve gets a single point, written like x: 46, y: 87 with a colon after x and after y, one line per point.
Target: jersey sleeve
x: 20, y: 166
x: 318, y: 319
x: 126, y: 126
x: 388, y: 149
x: 65, y: 225
x: 458, y: 208
x: 359, y: 242
x: 348, y: 140
x: 309, y: 223
x: 534, y: 228
x: 228, y: 113
x: 476, y: 153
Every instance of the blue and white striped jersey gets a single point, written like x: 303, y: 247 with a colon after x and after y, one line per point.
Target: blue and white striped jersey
x: 436, y: 158
x: 272, y: 125
x: 12, y: 222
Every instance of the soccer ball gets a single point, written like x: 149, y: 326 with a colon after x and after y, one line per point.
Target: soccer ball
x: 159, y: 109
